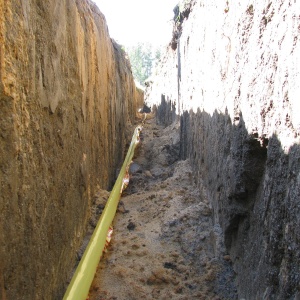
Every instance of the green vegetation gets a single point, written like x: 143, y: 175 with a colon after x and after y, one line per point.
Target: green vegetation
x: 143, y: 58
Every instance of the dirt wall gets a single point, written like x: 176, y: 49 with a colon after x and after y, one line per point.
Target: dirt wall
x: 231, y: 75
x: 66, y: 94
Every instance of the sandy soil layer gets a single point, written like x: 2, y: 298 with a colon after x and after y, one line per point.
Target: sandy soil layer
x: 164, y: 245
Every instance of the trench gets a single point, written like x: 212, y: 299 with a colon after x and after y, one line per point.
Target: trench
x: 67, y: 100
x: 164, y: 244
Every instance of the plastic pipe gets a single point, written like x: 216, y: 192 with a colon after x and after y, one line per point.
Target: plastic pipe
x: 79, y: 286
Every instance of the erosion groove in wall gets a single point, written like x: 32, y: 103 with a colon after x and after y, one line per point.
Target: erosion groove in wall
x: 66, y: 94
x: 231, y: 74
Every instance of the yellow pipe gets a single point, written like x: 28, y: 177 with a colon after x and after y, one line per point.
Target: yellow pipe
x: 79, y: 286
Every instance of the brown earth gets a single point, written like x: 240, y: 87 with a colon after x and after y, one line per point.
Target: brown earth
x: 164, y: 242
x: 67, y: 97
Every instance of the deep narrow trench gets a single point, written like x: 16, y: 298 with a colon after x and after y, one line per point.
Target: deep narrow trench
x: 163, y: 241
x: 67, y: 99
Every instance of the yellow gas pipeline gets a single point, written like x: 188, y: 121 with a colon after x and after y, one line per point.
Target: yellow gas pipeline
x: 79, y: 286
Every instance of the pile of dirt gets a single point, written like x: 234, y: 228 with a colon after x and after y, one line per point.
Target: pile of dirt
x: 163, y: 241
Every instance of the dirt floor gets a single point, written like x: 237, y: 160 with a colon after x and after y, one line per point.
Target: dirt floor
x: 164, y: 244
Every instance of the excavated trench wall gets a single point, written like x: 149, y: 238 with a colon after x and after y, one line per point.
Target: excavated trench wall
x: 66, y: 95
x: 231, y: 74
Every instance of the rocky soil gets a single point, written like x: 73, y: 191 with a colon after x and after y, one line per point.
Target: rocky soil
x: 163, y: 245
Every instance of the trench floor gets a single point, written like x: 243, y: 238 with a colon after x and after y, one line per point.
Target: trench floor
x: 164, y: 244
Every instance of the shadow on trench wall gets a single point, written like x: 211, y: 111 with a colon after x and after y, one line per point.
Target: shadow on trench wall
x: 254, y: 189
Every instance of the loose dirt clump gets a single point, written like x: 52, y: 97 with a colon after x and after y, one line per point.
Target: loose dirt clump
x: 164, y: 241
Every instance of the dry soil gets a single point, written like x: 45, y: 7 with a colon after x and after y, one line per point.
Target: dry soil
x: 164, y: 244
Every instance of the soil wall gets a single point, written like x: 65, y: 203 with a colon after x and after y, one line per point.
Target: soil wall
x: 66, y: 95
x: 231, y: 74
